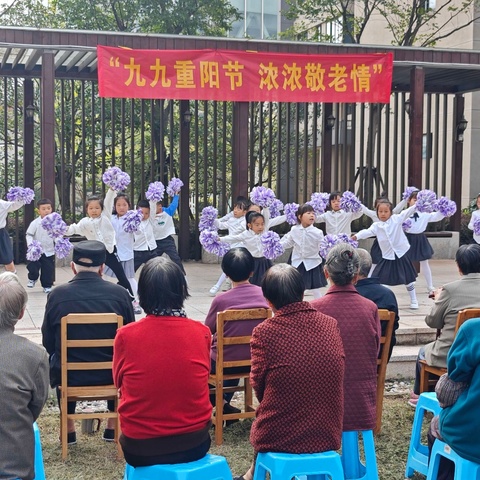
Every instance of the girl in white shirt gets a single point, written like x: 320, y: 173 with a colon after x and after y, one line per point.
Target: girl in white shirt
x: 395, y: 268
x: 251, y: 239
x: 97, y: 225
x: 305, y: 239
x: 420, y: 248
x: 336, y: 220
x: 475, y: 216
x: 121, y: 205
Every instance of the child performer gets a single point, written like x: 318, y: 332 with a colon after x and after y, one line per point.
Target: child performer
x: 45, y: 265
x: 121, y: 205
x: 144, y: 246
x: 163, y: 229
x: 305, y: 239
x: 97, y: 225
x: 251, y: 239
x: 6, y: 250
x: 336, y: 220
x: 235, y: 224
x: 395, y: 268
x: 420, y: 248
x: 474, y: 220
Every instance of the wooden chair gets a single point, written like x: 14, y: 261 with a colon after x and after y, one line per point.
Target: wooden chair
x: 97, y: 392
x: 385, y: 341
x: 426, y: 370
x: 217, y: 379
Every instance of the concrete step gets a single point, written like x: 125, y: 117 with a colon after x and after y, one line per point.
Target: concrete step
x: 402, y: 362
x: 415, y: 335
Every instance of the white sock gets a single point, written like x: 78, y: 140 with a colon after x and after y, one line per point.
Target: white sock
x: 221, y: 279
x: 370, y: 273
x: 316, y: 292
x: 134, y: 285
x: 411, y: 292
x: 427, y: 273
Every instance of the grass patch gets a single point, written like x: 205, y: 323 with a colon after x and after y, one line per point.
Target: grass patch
x: 94, y: 459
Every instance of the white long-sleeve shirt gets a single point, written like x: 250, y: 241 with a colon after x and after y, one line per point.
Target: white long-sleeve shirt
x: 373, y: 214
x: 35, y: 231
x: 100, y: 228
x: 475, y: 216
x: 421, y: 220
x: 252, y: 242
x: 144, y: 238
x: 124, y: 239
x: 391, y: 238
x: 306, y: 245
x: 6, y: 208
x: 338, y: 222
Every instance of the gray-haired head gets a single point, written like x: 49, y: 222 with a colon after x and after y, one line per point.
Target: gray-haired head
x: 342, y: 264
x: 365, y: 262
x: 282, y: 285
x: 13, y: 299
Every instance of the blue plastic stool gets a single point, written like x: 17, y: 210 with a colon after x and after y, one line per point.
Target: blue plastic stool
x: 38, y: 465
x: 210, y: 467
x: 464, y: 469
x: 417, y: 459
x: 288, y: 465
x: 352, y: 466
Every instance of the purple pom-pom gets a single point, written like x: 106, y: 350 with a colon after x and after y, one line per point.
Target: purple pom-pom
x: 34, y: 251
x: 212, y: 244
x: 20, y: 194
x: 262, y: 196
x: 155, y: 192
x: 476, y: 226
x: 174, y: 186
x: 275, y: 208
x: 330, y: 241
x: 350, y: 202
x: 207, y: 219
x: 407, y: 225
x: 426, y: 201
x: 272, y: 247
x: 116, y: 179
x: 54, y: 225
x: 446, y: 206
x: 319, y: 202
x: 63, y: 247
x: 290, y: 211
x: 132, y: 220
x: 408, y: 192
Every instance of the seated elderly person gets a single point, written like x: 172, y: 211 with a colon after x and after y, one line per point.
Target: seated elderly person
x: 359, y: 325
x: 23, y: 384
x: 459, y: 394
x: 161, y: 366
x: 379, y: 294
x: 237, y: 264
x: 297, y: 372
x: 449, y: 300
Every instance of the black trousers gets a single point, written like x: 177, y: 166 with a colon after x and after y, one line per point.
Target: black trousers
x: 142, y: 256
x: 113, y: 263
x: 167, y: 245
x: 43, y: 267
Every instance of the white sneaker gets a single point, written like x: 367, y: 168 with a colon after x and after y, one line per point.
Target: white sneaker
x: 31, y: 283
x: 431, y: 290
x: 136, y: 308
x: 213, y: 291
x: 414, y: 305
x: 47, y: 289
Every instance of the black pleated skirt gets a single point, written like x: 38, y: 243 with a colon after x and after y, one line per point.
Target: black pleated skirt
x: 261, y: 265
x: 314, y: 278
x: 6, y: 250
x: 376, y: 252
x: 420, y: 248
x: 395, y: 272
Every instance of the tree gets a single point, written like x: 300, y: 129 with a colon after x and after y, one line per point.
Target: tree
x: 421, y: 23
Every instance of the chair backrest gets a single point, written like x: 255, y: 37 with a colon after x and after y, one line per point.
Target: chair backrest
x: 66, y: 343
x: 385, y: 340
x: 464, y: 315
x: 236, y: 316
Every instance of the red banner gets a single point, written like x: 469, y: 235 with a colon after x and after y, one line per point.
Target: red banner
x: 238, y: 76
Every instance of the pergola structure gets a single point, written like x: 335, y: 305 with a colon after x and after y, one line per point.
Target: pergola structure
x: 56, y: 54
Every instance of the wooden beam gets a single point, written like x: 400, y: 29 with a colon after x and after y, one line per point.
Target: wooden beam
x: 28, y: 141
x: 184, y: 230
x: 326, y: 150
x: 240, y: 149
x: 457, y: 162
x: 417, y: 82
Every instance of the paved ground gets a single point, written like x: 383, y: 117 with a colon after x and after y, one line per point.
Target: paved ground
x: 202, y: 276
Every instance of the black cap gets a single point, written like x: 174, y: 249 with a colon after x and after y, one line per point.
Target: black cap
x: 91, y: 249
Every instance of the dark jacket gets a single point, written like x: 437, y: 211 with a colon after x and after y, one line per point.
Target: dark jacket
x: 87, y: 292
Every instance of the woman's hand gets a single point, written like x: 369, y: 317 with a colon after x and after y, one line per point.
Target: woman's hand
x: 354, y: 237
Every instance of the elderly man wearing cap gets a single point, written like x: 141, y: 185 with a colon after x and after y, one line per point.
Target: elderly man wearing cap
x: 87, y: 292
